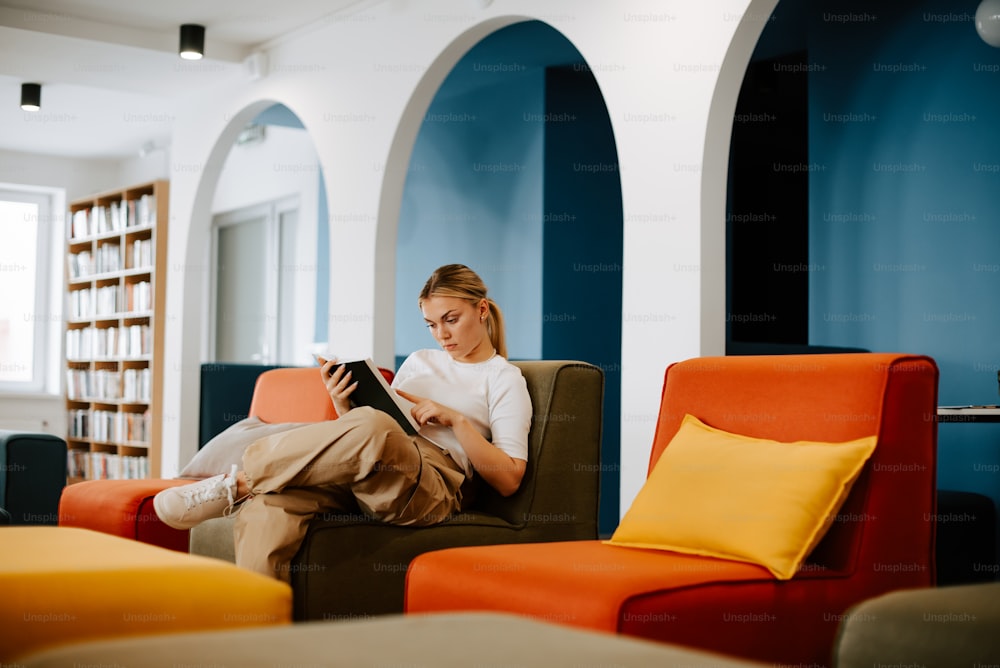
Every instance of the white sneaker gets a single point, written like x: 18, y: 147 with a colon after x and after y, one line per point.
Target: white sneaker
x: 185, y: 506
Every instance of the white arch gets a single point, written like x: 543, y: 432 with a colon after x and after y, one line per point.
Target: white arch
x: 179, y: 441
x: 394, y: 177
x: 681, y: 65
x: 715, y: 174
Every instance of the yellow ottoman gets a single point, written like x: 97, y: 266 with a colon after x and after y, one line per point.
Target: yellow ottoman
x: 62, y: 585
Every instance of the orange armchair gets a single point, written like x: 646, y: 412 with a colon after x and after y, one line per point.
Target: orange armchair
x: 881, y: 539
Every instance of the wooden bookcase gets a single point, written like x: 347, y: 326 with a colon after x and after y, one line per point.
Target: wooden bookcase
x: 116, y: 249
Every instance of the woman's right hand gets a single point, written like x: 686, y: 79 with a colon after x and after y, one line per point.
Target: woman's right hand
x: 338, y: 384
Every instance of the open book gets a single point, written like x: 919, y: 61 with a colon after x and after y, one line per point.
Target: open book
x: 373, y: 390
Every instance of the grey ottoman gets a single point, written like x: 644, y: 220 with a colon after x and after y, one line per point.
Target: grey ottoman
x: 435, y: 641
x: 942, y: 626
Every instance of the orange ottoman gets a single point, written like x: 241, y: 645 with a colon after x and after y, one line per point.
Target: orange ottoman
x: 121, y: 508
x: 65, y: 585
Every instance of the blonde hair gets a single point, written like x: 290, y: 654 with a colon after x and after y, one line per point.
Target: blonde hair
x: 457, y: 280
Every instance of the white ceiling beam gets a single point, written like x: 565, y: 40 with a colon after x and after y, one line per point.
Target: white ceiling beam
x: 48, y: 58
x: 107, y: 33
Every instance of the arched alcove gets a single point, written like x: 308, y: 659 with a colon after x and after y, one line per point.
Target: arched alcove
x: 894, y: 188
x: 514, y: 172
x: 768, y: 202
x: 268, y: 295
x: 196, y: 268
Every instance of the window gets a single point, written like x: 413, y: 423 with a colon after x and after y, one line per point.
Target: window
x: 26, y: 219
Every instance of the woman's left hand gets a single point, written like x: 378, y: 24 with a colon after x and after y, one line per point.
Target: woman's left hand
x: 426, y: 411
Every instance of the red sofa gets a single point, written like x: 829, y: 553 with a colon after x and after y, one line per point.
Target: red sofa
x: 882, y: 538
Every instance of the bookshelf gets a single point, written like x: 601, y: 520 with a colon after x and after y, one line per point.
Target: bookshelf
x: 116, y: 248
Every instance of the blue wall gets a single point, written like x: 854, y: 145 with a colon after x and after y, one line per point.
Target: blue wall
x: 582, y: 295
x: 473, y: 195
x: 474, y: 187
x: 904, y: 221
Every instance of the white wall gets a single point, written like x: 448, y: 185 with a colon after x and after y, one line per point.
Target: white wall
x: 490, y: 221
x: 138, y: 169
x: 361, y: 86
x: 80, y: 178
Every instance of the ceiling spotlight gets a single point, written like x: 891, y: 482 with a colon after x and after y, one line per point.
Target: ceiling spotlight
x: 192, y: 41
x: 31, y: 96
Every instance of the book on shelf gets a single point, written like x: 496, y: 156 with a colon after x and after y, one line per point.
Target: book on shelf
x: 102, y: 424
x: 98, y: 220
x: 80, y: 224
x: 373, y: 390
x: 81, y: 265
x: 79, y: 423
x: 106, y: 465
x: 108, y: 258
x: 136, y: 385
x: 108, y: 426
x: 113, y: 217
x: 81, y: 303
x: 138, y: 343
x: 85, y: 384
x: 142, y: 212
x: 142, y: 254
x: 119, y: 215
x: 77, y: 384
x: 102, y: 301
x: 108, y: 343
x: 138, y: 297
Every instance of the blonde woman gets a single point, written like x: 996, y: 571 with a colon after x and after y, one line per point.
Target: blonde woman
x: 471, y: 404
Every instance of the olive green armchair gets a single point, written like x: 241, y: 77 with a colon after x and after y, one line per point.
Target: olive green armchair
x: 351, y: 566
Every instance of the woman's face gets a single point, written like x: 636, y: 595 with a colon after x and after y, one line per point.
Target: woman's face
x: 459, y: 327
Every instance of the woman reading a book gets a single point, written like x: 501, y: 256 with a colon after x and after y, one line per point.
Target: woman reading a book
x: 473, y: 412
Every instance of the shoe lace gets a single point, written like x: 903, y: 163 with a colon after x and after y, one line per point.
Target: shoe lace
x: 207, y: 493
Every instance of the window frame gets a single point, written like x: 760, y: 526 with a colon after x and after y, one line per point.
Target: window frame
x: 47, y: 317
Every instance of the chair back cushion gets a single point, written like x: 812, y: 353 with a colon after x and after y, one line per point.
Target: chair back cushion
x: 32, y: 476
x: 833, y: 398
x: 561, y: 481
x: 295, y: 394
x: 292, y: 394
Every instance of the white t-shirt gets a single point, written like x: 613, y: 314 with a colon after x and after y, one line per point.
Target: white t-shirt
x: 492, y: 395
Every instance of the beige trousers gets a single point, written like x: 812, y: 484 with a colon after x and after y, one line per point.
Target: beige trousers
x: 360, y: 461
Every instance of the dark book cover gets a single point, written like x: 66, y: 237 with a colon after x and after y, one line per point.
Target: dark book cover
x: 374, y: 391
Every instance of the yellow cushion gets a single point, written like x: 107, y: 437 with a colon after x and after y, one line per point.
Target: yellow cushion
x: 64, y: 584
x: 720, y: 494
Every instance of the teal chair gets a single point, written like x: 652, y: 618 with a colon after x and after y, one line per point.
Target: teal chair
x: 32, y: 477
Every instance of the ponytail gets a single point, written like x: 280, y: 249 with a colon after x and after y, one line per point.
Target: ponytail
x: 496, y: 329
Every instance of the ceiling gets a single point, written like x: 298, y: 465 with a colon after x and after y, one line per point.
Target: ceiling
x: 111, y: 77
